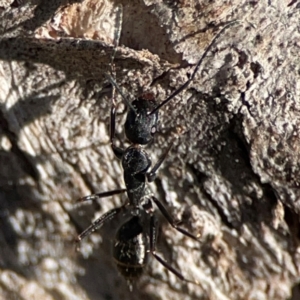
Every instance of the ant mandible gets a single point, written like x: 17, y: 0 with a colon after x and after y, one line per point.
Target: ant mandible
x: 139, y: 232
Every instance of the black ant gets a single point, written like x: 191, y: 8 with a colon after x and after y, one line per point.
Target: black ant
x: 139, y: 232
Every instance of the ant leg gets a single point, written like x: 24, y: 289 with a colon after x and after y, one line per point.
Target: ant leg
x: 97, y: 196
x: 98, y: 223
x: 153, y: 238
x: 153, y: 173
x: 171, y: 220
x: 117, y: 150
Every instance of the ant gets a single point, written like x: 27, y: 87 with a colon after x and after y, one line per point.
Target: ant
x: 139, y: 232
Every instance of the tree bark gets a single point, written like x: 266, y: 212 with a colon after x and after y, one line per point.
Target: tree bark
x: 232, y: 175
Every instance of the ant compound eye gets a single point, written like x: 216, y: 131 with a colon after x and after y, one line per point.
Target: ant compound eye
x: 153, y: 130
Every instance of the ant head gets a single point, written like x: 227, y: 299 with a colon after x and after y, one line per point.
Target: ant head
x: 141, y: 125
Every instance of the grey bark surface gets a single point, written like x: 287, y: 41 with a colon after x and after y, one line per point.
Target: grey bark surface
x: 232, y: 176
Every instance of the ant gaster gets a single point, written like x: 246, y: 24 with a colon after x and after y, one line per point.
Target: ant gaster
x: 139, y: 232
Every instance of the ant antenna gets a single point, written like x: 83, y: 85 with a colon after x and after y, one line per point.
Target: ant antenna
x: 112, y: 81
x: 196, y: 69
x: 117, y: 35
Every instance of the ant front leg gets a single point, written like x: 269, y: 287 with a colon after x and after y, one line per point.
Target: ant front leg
x: 171, y: 221
x: 117, y: 150
x: 153, y: 238
x: 153, y: 173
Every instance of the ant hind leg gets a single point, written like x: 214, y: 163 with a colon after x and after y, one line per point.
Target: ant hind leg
x: 172, y: 222
x: 153, y: 238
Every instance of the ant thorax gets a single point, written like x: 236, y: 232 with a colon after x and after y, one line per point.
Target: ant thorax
x: 146, y: 203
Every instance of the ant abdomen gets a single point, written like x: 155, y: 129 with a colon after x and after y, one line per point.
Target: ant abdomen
x: 130, y: 249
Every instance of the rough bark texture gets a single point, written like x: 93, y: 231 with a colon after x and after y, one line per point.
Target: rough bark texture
x: 233, y: 176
